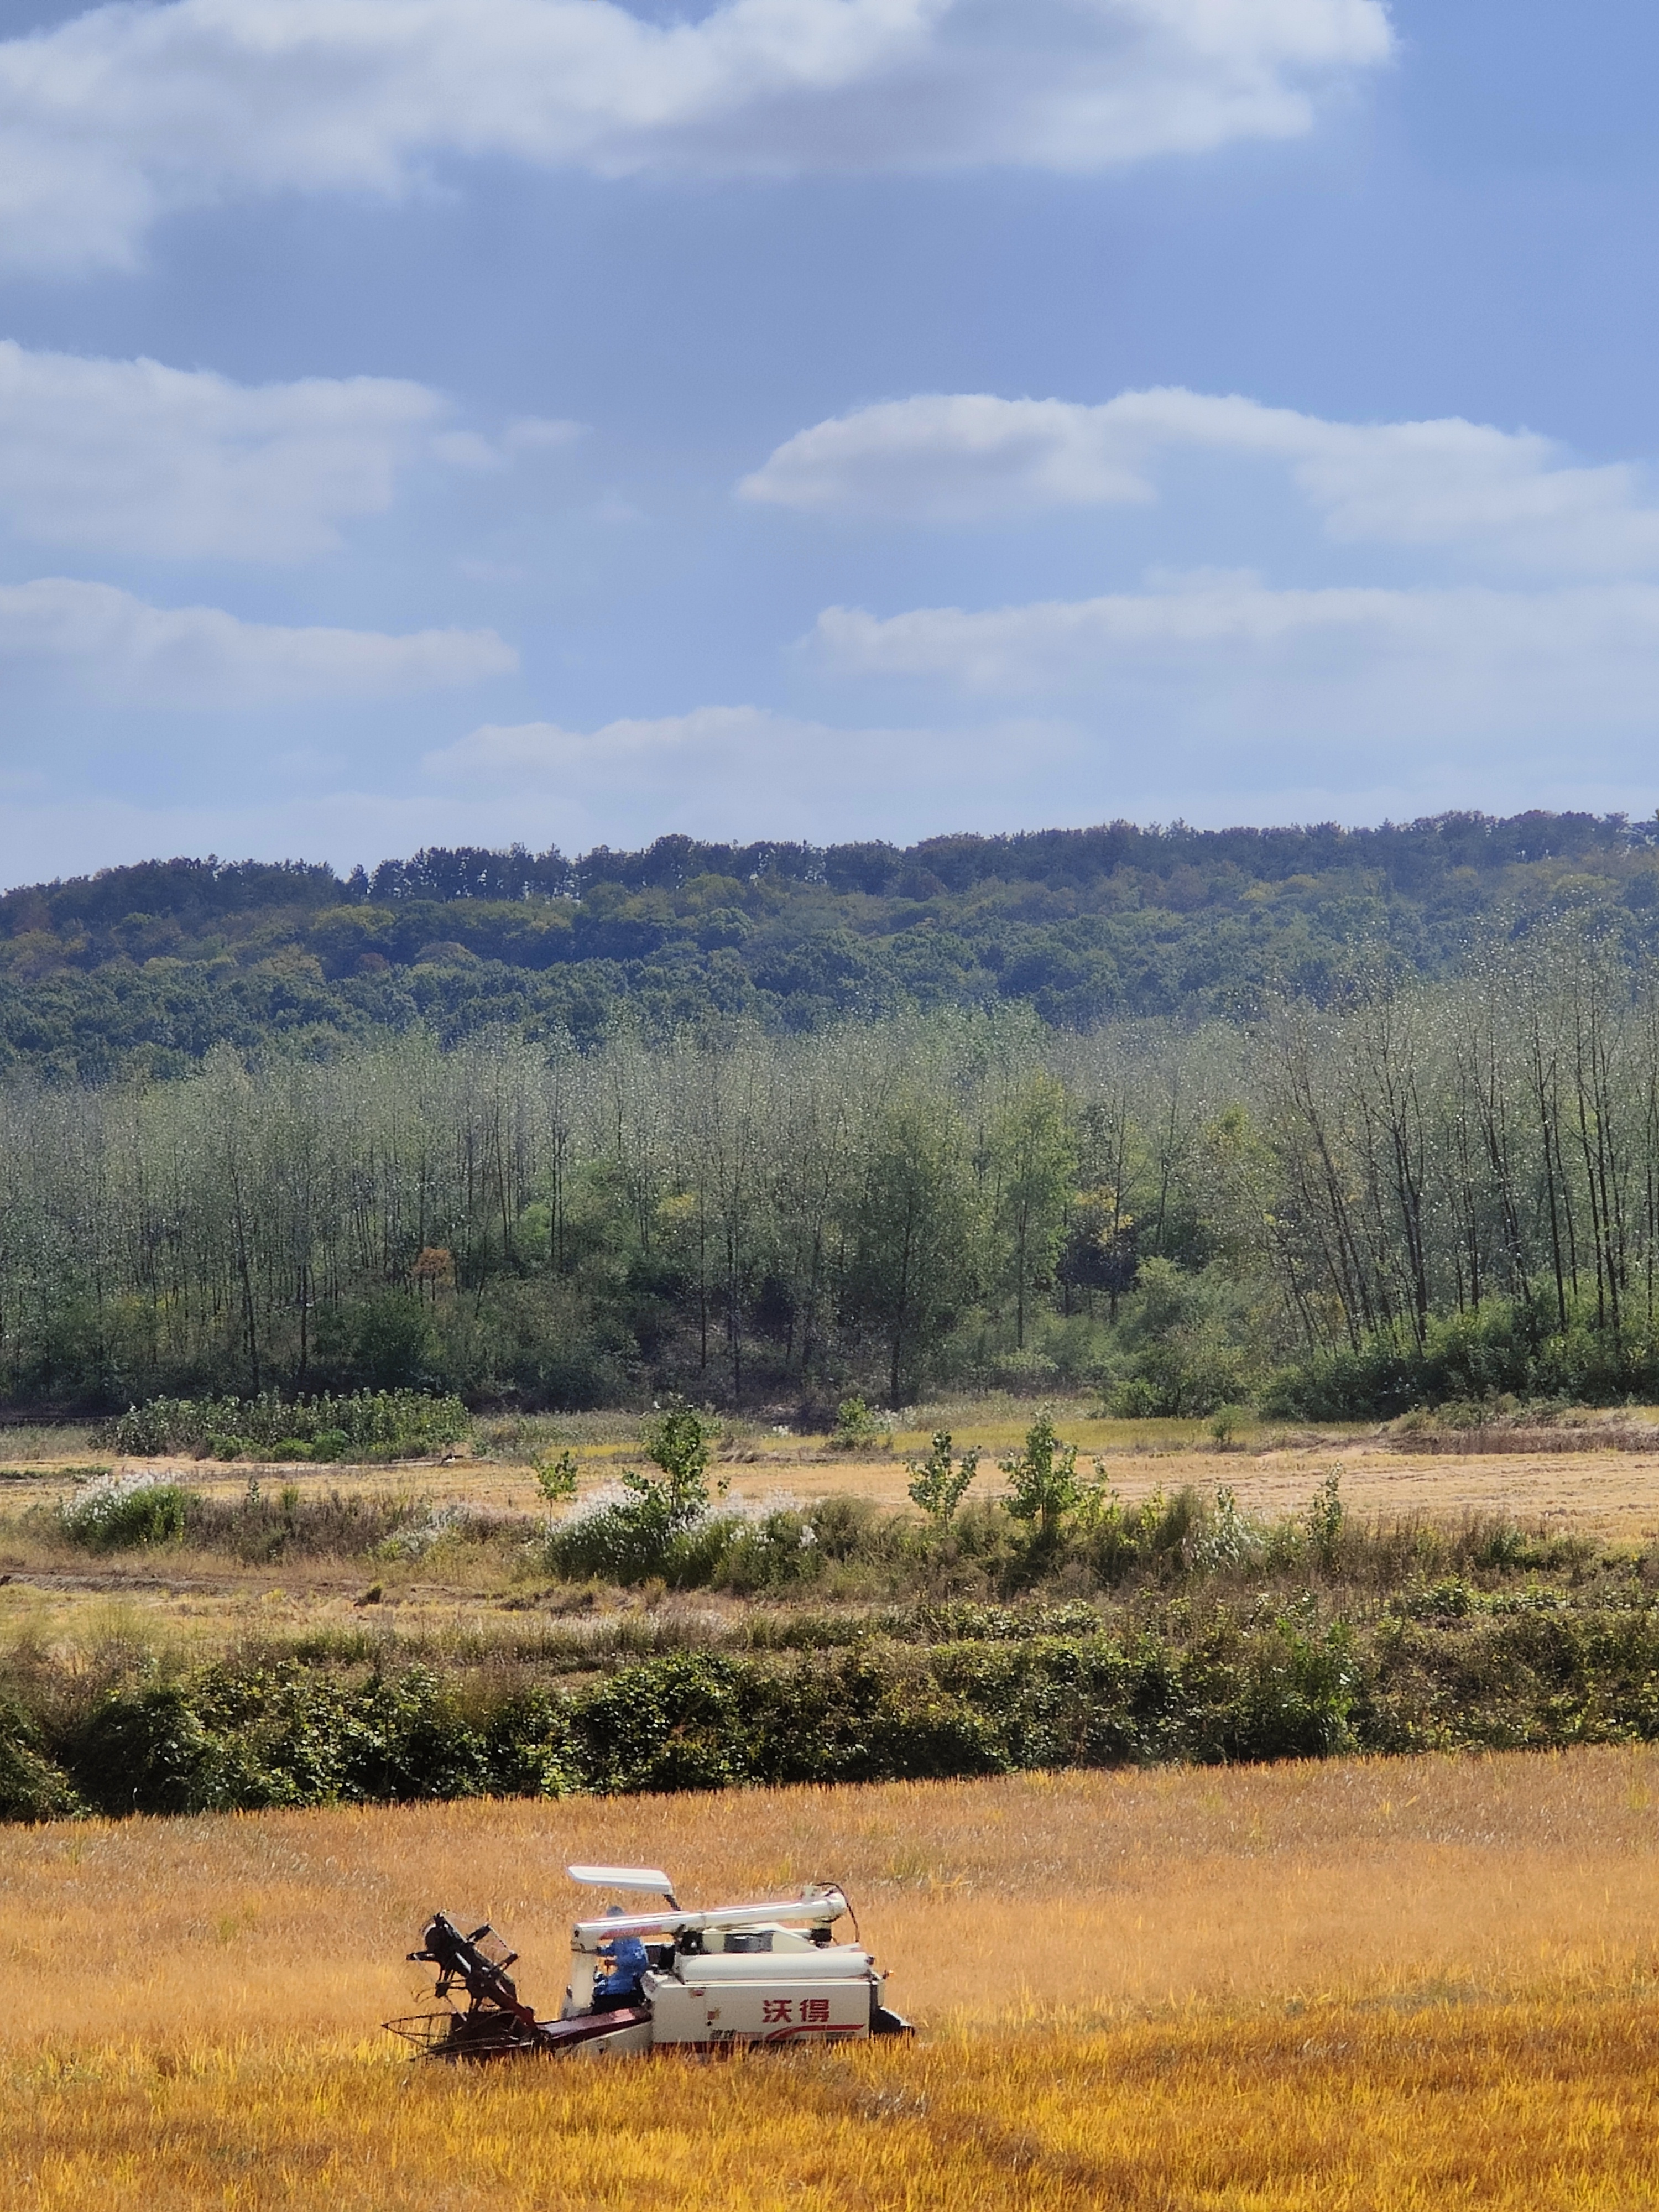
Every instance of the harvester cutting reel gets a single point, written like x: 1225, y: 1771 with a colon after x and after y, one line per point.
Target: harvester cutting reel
x: 767, y: 1973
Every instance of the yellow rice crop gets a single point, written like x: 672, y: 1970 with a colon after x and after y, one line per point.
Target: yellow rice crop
x: 1387, y: 1984
x: 1534, y: 2107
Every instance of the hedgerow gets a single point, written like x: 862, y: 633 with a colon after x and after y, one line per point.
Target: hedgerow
x: 360, y: 1424
x: 140, y: 1511
x: 1220, y: 1684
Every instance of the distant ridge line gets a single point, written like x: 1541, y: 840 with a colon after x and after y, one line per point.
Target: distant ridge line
x: 1403, y: 852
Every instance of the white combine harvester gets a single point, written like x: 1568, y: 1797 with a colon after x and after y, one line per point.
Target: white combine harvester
x: 666, y: 1978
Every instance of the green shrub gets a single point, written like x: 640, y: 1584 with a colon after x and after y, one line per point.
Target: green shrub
x: 151, y: 1752
x: 1504, y: 1350
x: 612, y: 1543
x: 967, y: 1689
x: 32, y: 1787
x: 385, y: 1424
x: 660, y: 1525
x: 848, y: 1528
x: 778, y: 1553
x: 857, y: 1429
x: 125, y: 1513
x: 1180, y: 1331
x: 938, y: 1483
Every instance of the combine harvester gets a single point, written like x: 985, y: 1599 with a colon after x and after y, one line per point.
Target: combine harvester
x: 666, y: 1980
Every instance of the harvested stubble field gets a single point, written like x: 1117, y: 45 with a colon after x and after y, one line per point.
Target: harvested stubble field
x: 1608, y: 1493
x: 1381, y: 1984
x: 210, y: 1600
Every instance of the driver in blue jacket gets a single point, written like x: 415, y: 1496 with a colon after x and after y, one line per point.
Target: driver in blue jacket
x: 627, y: 1961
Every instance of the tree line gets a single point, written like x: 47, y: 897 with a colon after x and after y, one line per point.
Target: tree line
x: 1428, y: 1189
x: 142, y: 970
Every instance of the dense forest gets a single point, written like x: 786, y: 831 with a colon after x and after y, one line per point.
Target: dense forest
x: 1409, y: 1188
x: 142, y: 971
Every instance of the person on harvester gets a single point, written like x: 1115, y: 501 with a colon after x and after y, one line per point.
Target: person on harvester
x: 627, y: 1962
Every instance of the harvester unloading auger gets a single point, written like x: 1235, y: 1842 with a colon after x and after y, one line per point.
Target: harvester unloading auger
x: 647, y: 1981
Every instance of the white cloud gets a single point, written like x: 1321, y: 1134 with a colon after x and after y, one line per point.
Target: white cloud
x: 133, y: 457
x: 465, y: 449
x: 531, y: 756
x: 118, y: 647
x: 540, y: 434
x: 111, y: 119
x: 747, y: 772
x: 519, y: 756
x: 1493, y: 493
x: 956, y: 457
x: 1229, y: 655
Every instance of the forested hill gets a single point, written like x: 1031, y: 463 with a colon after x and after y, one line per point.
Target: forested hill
x: 144, y: 968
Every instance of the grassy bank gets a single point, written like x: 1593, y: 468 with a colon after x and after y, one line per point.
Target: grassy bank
x: 608, y: 1627
x: 1393, y: 1640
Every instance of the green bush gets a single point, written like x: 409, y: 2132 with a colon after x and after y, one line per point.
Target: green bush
x: 367, y: 1424
x: 776, y: 1554
x: 125, y: 1513
x: 152, y: 1752
x: 607, y: 1543
x: 32, y: 1787
x: 1504, y: 1350
x: 661, y: 1526
x: 972, y: 1690
x: 1180, y: 1333
x: 857, y: 1429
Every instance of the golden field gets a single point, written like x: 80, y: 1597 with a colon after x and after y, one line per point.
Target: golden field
x: 1393, y: 1983
x: 1407, y: 1984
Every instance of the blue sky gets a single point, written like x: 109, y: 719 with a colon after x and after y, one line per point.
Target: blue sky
x: 441, y: 421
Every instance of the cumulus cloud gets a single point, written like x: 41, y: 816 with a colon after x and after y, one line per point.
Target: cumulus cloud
x: 1465, y: 486
x: 133, y: 457
x: 956, y: 457
x: 1228, y: 652
x: 109, y: 120
x: 748, y: 772
x: 542, y: 434
x: 542, y: 756
x: 118, y: 648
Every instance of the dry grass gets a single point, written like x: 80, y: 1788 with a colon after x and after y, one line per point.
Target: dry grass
x: 30, y: 1443
x: 205, y: 1603
x: 995, y: 1421
x: 1488, y: 1443
x: 1611, y: 1493
x: 1382, y: 1983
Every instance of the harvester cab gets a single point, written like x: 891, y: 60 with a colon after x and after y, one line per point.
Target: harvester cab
x: 665, y: 1977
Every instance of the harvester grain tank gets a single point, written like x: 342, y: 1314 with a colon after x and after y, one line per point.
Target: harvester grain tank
x: 664, y: 1978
